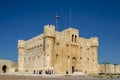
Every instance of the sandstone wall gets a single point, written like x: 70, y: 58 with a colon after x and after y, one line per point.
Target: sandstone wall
x: 7, y: 64
x: 60, y: 51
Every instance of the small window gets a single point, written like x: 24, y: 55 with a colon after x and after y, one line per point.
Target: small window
x: 88, y: 49
x: 32, y: 47
x: 68, y: 57
x: 57, y: 43
x: 41, y: 45
x: 88, y: 59
x: 67, y: 45
x: 80, y: 58
x: 37, y: 45
x: 56, y: 56
x: 80, y: 47
x: 93, y: 59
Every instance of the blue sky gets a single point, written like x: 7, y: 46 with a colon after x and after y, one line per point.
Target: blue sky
x: 24, y: 19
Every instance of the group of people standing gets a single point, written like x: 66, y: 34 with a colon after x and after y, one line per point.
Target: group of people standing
x: 37, y: 72
x: 48, y: 71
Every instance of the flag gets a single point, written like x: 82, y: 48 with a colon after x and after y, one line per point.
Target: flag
x: 57, y: 16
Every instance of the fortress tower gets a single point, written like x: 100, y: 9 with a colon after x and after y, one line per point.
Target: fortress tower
x: 21, y: 52
x: 49, y: 41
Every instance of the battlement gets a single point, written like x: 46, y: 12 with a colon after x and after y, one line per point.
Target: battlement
x: 21, y: 44
x: 49, y: 30
x: 94, y: 42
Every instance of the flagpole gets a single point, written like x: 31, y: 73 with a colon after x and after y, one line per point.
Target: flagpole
x: 57, y: 17
x: 56, y: 22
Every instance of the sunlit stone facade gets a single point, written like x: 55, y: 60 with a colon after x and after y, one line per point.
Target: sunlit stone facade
x: 59, y: 51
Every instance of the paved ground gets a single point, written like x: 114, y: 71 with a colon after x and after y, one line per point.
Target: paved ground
x: 49, y: 77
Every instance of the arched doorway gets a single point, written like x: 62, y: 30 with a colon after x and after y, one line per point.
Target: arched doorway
x: 4, y: 68
x: 73, y: 64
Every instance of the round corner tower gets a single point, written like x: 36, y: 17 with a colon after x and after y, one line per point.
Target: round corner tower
x: 21, y: 52
x: 94, y: 47
x: 49, y: 39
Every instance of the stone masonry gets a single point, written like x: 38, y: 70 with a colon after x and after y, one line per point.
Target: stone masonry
x: 59, y: 51
x: 7, y: 66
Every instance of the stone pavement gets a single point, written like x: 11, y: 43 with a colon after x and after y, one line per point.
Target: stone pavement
x: 49, y: 77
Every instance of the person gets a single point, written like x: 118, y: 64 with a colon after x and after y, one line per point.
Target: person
x: 67, y: 72
x: 34, y: 71
x: 40, y: 71
x: 46, y: 72
x: 52, y: 71
x: 110, y: 75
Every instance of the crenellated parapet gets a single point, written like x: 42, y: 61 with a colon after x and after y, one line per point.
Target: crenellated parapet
x: 94, y: 42
x: 21, y: 44
x: 49, y: 31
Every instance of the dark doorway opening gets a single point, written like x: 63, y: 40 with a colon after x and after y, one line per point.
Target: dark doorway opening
x: 73, y: 69
x: 4, y: 68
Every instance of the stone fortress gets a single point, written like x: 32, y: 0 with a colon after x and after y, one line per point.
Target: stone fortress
x: 61, y: 52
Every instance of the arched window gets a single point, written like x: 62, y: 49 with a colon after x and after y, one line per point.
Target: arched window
x: 72, y: 38
x: 75, y: 38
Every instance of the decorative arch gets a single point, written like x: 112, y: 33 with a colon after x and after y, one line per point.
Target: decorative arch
x: 73, y: 64
x: 73, y: 58
x: 74, y: 61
